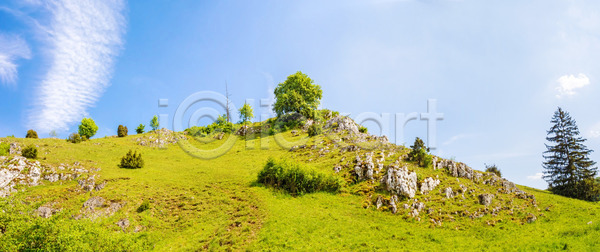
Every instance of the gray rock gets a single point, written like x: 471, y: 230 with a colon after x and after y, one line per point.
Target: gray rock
x: 379, y: 202
x: 52, y: 177
x: 15, y: 149
x: 100, y: 186
x: 486, y: 199
x: 93, y: 202
x: 429, y: 184
x: 123, y: 224
x: 419, y: 206
x: 531, y: 218
x: 45, y: 212
x: 393, y: 200
x: 400, y: 181
x: 448, y: 192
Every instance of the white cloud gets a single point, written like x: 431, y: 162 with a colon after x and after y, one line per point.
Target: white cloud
x: 569, y: 83
x: 84, y: 39
x: 594, y: 131
x: 537, y: 176
x: 12, y: 48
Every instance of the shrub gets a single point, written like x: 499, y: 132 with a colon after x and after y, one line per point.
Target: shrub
x: 493, y: 169
x: 362, y: 129
x: 140, y: 129
x: 296, y: 180
x: 314, y: 130
x: 297, y: 94
x: 122, y: 131
x: 87, y: 128
x: 4, y: 149
x: 420, y: 153
x: 132, y: 160
x: 30, y: 152
x: 31, y: 134
x: 288, y: 121
x: 74, y: 138
x: 144, y: 206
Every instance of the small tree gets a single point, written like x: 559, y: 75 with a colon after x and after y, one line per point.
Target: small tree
x: 493, y: 169
x: 87, y: 128
x: 154, y: 123
x: 140, y: 129
x: 122, y: 131
x: 246, y: 113
x: 221, y: 120
x: 568, y: 169
x: 132, y: 160
x: 74, y: 138
x: 31, y: 134
x: 297, y: 94
x: 420, y: 153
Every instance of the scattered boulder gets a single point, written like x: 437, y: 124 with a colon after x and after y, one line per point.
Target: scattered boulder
x: 393, y: 200
x: 160, y: 138
x: 429, y: 184
x: 379, y: 202
x: 449, y: 193
x: 93, y: 202
x: 343, y: 123
x: 123, y: 224
x: 486, y: 199
x: 14, y: 149
x: 45, y: 212
x: 531, y: 218
x: 400, y: 181
x: 219, y: 136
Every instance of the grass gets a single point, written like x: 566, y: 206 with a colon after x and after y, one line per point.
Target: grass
x: 216, y: 204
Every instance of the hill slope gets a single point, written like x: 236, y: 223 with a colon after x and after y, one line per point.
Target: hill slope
x: 192, y: 203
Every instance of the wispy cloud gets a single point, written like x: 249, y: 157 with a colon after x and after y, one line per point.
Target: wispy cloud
x: 456, y: 138
x: 594, y: 131
x: 12, y: 48
x: 569, y: 83
x: 537, y: 176
x: 84, y: 39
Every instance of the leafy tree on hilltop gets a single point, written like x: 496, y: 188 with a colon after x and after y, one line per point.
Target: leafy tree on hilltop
x: 87, y: 128
x: 154, y: 123
x: 246, y: 113
x: 297, y: 94
x: 568, y: 169
x: 31, y: 134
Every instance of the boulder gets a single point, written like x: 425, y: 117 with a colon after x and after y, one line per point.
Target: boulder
x: 379, y: 202
x: 123, y: 224
x: 448, y: 192
x: 14, y: 149
x: 486, y: 199
x: 531, y: 218
x: 93, y: 202
x: 400, y: 181
x: 429, y: 184
x: 393, y: 200
x: 45, y: 212
x: 343, y: 123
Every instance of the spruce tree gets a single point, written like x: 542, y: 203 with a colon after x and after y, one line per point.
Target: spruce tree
x: 567, y: 168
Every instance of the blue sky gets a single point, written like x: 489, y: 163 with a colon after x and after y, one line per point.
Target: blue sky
x: 498, y: 70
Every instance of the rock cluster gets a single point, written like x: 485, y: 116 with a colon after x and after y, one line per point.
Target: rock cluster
x: 364, y: 169
x: 399, y: 180
x: 160, y: 138
x: 342, y: 123
x: 97, y: 206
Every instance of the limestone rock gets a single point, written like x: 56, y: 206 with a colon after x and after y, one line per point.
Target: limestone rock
x: 531, y: 218
x: 45, y: 212
x: 400, y: 181
x: 429, y: 184
x: 94, y: 202
x: 448, y: 192
x: 379, y: 202
x: 486, y: 199
x: 14, y: 149
x: 393, y: 200
x: 343, y: 123
x: 123, y: 224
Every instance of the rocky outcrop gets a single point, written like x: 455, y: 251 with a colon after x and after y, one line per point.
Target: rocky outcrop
x: 18, y: 170
x: 400, y: 181
x: 393, y: 201
x: 364, y: 169
x: 449, y: 193
x: 342, y: 123
x: 428, y: 185
x: 15, y: 149
x: 97, y: 206
x: 123, y: 224
x: 160, y: 138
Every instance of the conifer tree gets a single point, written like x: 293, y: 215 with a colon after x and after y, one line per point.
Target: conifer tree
x: 567, y: 168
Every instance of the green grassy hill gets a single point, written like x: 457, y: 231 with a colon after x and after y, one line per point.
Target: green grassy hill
x: 193, y: 204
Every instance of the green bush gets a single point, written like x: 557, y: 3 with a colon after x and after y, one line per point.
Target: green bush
x: 144, y: 206
x: 493, y: 169
x: 296, y: 180
x: 74, y: 138
x: 314, y: 130
x: 122, y: 131
x: 30, y: 152
x: 87, y: 128
x: 140, y: 129
x: 132, y: 160
x: 154, y: 123
x: 220, y: 125
x: 363, y: 129
x: 4, y: 149
x: 288, y: 121
x: 31, y: 134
